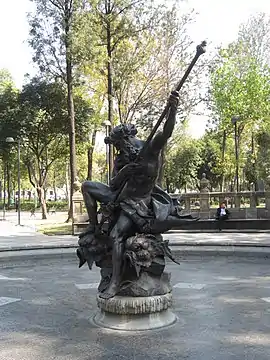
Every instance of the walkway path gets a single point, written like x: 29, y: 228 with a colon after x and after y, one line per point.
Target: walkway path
x: 15, y: 237
x: 19, y: 237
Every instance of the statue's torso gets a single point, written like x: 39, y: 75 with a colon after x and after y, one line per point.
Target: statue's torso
x: 141, y: 184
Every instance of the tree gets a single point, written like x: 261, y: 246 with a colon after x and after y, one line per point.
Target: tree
x: 217, y: 158
x: 181, y: 167
x: 140, y: 53
x: 8, y: 111
x: 43, y: 120
x: 51, y: 37
x: 258, y: 162
x: 255, y: 35
x: 43, y: 124
x: 111, y: 26
x: 182, y: 161
x: 239, y: 86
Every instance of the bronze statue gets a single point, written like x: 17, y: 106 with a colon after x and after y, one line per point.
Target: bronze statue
x: 127, y: 242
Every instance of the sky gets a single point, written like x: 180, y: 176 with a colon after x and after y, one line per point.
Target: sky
x: 217, y: 21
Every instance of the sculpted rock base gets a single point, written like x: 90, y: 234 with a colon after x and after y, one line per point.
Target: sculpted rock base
x: 147, y: 284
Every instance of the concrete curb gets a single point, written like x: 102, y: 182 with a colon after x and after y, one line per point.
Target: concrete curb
x: 11, y: 257
x: 37, y: 247
x: 227, y: 251
x: 218, y: 244
x: 225, y: 231
x: 174, y: 244
x: 183, y: 251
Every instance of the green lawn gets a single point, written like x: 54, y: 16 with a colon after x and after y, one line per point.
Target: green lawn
x: 56, y: 229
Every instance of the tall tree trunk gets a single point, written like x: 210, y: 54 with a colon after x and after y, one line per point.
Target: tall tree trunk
x: 42, y: 201
x: 54, y: 185
x: 90, y: 153
x: 110, y: 81
x: 67, y: 184
x: 71, y: 112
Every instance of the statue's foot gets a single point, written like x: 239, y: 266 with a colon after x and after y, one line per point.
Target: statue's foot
x: 89, y: 230
x: 86, y: 240
x: 110, y: 292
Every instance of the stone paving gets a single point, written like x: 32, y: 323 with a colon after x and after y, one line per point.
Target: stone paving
x: 16, y: 237
x: 223, y: 310
x: 47, y: 303
x: 219, y: 238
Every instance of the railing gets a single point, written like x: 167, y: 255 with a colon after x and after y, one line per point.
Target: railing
x: 242, y: 205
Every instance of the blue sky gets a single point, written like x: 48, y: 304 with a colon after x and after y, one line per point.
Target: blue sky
x: 217, y: 21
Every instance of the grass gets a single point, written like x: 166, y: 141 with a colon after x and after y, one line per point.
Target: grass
x: 56, y: 229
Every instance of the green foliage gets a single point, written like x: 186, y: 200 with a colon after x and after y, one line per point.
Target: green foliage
x: 251, y: 169
x: 240, y: 86
x: 51, y: 35
x: 43, y: 122
x: 27, y: 206
x: 57, y: 205
x: 211, y: 163
x: 150, y: 50
x: 8, y: 107
x: 56, y: 229
x: 8, y: 128
x: 256, y: 36
x: 170, y: 53
x: 100, y: 167
x: 133, y: 53
x: 182, y: 162
x: 260, y: 161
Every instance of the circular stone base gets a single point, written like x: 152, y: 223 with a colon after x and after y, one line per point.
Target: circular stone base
x: 135, y: 313
x: 134, y: 322
x: 127, y: 305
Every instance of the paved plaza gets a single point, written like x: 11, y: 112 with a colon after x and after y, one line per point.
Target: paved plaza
x: 223, y: 309
x: 47, y: 304
x: 16, y: 237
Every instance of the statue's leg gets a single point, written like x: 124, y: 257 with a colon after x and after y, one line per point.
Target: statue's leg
x: 90, y: 201
x: 94, y: 192
x: 119, y: 233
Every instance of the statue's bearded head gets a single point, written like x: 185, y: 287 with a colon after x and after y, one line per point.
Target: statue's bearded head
x: 120, y: 135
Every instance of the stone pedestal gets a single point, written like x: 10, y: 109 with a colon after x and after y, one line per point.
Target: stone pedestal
x: 135, y: 313
x: 237, y: 201
x: 204, y: 205
x: 267, y: 200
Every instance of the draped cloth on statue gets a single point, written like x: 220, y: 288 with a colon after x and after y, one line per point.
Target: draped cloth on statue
x: 157, y: 206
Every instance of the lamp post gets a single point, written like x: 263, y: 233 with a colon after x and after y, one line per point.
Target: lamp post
x: 234, y: 122
x: 10, y: 140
